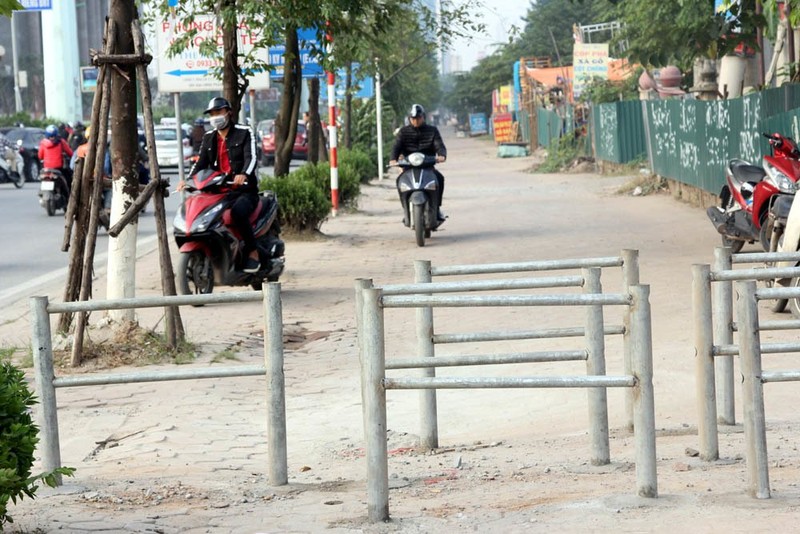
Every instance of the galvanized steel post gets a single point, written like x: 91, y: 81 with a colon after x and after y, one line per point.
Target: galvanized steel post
x: 374, y: 371
x: 41, y: 345
x: 722, y: 297
x: 753, y: 391
x: 276, y: 403
x: 704, y: 363
x: 630, y: 277
x: 429, y: 426
x: 644, y: 427
x: 360, y: 285
x: 596, y: 366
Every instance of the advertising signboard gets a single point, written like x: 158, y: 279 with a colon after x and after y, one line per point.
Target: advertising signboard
x: 190, y: 71
x: 36, y: 5
x: 502, y: 128
x: 88, y: 79
x: 589, y: 61
x: 478, y: 124
x: 312, y: 68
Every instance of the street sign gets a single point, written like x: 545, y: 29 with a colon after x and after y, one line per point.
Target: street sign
x: 88, y: 79
x: 190, y: 71
x: 364, y: 86
x: 311, y: 65
x: 36, y: 5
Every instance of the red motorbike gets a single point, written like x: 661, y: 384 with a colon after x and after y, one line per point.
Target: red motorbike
x: 745, y: 200
x: 211, y: 248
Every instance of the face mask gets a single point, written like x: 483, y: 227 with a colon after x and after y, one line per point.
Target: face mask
x: 218, y: 122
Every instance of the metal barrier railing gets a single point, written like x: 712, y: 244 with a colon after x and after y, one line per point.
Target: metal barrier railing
x: 427, y: 338
x: 714, y: 326
x: 754, y: 379
x: 371, y: 301
x: 47, y: 382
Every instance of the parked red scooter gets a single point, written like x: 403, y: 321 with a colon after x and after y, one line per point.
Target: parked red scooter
x: 745, y: 200
x: 211, y: 248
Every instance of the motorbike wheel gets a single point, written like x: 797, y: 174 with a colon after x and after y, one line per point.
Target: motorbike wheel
x: 19, y: 180
x: 765, y: 234
x: 50, y: 206
x: 195, y: 274
x: 734, y: 244
x: 794, y: 304
x: 419, y: 224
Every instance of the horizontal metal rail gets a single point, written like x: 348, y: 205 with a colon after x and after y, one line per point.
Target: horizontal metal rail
x: 766, y: 348
x: 159, y: 376
x: 489, y: 359
x: 754, y: 274
x: 155, y: 302
x: 482, y: 285
x: 758, y: 257
x: 787, y: 324
x: 780, y: 376
x: 515, y: 267
x: 510, y: 382
x: 545, y: 333
x: 772, y: 293
x: 469, y: 301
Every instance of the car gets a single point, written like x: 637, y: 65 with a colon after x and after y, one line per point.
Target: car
x: 266, y: 129
x: 28, y: 139
x: 167, y: 147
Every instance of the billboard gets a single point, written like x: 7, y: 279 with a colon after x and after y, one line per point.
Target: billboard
x: 589, y: 60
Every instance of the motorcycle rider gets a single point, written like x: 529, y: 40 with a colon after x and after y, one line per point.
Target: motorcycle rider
x: 52, y: 150
x: 418, y: 136
x: 8, y: 151
x: 230, y: 148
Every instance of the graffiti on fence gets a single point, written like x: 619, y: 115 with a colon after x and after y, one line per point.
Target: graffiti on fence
x: 689, y: 156
x: 608, y: 131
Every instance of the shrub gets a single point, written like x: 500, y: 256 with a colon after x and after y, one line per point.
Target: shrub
x: 18, y: 439
x: 302, y: 204
x: 562, y: 152
x: 360, y: 162
x: 320, y: 174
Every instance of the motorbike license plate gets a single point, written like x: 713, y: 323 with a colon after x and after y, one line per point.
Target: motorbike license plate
x: 48, y: 186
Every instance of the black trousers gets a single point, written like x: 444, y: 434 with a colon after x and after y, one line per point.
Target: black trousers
x: 242, y: 207
x: 440, y: 181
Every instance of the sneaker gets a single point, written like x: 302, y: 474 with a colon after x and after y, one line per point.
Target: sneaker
x: 251, y: 266
x: 441, y: 216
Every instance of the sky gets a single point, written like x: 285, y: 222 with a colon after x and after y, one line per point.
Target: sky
x: 499, y: 17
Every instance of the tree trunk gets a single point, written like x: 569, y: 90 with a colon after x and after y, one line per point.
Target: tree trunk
x: 124, y: 149
x: 286, y: 119
x: 230, y: 65
x: 348, y: 106
x: 313, y: 127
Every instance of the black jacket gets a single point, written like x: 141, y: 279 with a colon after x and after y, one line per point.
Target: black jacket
x: 425, y: 139
x: 241, y: 153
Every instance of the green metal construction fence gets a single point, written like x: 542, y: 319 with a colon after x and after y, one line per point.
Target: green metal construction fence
x: 686, y: 140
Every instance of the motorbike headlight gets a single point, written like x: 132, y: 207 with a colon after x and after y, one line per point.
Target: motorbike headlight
x: 779, y: 179
x: 205, y: 219
x: 431, y: 186
x: 416, y: 159
x: 404, y: 186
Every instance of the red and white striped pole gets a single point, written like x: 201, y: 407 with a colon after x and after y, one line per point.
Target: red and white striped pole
x: 332, y: 130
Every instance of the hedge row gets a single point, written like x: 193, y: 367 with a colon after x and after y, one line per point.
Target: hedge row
x: 304, y: 195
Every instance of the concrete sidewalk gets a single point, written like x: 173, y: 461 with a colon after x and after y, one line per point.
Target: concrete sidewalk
x: 190, y: 456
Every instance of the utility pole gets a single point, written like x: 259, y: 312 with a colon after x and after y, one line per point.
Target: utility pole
x: 125, y: 172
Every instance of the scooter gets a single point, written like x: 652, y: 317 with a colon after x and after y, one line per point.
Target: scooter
x: 419, y: 195
x: 210, y: 246
x: 7, y: 175
x: 743, y: 214
x: 53, y: 191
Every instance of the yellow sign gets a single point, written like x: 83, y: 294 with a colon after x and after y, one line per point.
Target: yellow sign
x: 589, y: 60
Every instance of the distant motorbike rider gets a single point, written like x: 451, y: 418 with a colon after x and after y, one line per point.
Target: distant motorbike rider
x: 418, y: 136
x: 8, y: 151
x: 230, y: 148
x: 55, y: 153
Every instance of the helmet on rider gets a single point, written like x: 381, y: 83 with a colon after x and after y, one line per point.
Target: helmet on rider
x: 51, y: 132
x: 217, y: 103
x: 416, y: 111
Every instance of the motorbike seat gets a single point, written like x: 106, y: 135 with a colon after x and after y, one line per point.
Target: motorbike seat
x: 743, y: 172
